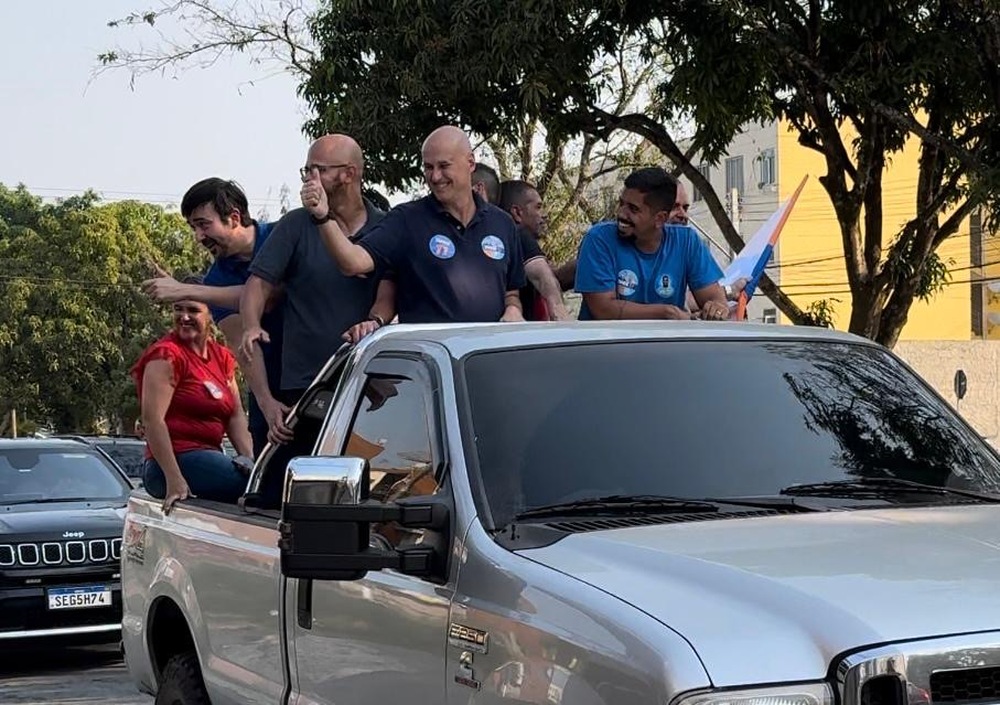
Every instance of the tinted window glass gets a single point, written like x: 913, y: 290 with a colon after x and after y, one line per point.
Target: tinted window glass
x: 391, y: 430
x: 58, y: 474
x: 130, y: 456
x: 707, y: 419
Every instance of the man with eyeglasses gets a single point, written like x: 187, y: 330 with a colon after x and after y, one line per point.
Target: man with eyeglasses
x: 456, y: 258
x: 320, y: 302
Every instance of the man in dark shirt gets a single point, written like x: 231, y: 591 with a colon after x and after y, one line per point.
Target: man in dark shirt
x: 455, y: 257
x: 218, y: 213
x: 541, y: 300
x: 320, y: 302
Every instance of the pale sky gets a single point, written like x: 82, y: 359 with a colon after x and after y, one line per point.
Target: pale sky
x: 59, y: 135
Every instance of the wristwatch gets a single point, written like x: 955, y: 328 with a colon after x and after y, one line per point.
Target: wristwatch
x: 377, y: 318
x: 730, y: 294
x: 320, y: 221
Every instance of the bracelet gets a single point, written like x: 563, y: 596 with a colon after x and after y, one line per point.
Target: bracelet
x: 377, y: 318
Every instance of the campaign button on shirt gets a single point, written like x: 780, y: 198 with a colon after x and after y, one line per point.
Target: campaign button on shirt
x: 493, y: 247
x: 664, y: 287
x: 627, y: 282
x: 442, y: 247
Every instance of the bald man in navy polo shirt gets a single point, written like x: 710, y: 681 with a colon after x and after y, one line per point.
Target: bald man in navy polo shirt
x: 456, y: 258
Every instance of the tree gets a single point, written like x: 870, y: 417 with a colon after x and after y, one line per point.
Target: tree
x: 855, y: 79
x: 564, y: 166
x: 74, y: 319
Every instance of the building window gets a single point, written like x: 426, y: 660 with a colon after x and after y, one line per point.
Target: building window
x: 706, y: 171
x: 734, y: 175
x: 770, y: 315
x: 768, y: 169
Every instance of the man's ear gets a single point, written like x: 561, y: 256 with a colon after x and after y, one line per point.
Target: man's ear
x: 235, y: 220
x: 661, y: 218
x: 516, y: 212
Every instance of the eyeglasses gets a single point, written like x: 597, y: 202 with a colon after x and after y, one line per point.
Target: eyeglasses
x: 307, y: 170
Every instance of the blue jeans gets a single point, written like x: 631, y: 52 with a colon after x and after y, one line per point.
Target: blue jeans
x: 209, y: 473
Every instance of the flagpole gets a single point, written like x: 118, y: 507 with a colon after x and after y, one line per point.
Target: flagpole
x: 741, y: 306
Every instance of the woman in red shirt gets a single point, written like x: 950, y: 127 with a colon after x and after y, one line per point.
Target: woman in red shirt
x: 189, y: 399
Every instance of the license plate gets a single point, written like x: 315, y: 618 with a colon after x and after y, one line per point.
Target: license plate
x: 70, y: 598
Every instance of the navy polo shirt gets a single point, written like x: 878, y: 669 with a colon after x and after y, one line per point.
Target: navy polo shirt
x: 446, y: 272
x: 232, y: 271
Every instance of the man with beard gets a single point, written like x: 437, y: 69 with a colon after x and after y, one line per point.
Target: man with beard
x: 455, y: 257
x: 639, y: 267
x: 320, y: 302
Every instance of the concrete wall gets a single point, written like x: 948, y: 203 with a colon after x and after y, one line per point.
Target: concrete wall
x: 937, y: 362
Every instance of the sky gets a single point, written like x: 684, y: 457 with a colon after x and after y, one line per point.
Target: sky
x: 62, y: 130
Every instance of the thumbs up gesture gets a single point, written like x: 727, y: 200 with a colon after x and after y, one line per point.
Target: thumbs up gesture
x: 313, y: 196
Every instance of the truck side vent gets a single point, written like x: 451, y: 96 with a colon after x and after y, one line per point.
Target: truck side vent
x: 966, y: 686
x: 882, y: 690
x: 604, y: 523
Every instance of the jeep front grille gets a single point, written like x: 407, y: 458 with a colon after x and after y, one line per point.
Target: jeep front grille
x: 966, y: 686
x: 56, y: 553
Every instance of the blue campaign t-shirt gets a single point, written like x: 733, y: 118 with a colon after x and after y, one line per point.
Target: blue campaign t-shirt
x: 233, y: 271
x: 608, y: 262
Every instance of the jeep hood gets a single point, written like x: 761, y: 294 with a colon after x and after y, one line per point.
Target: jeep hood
x: 775, y: 599
x: 53, y: 522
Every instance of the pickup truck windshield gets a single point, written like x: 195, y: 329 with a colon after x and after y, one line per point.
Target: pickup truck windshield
x: 696, y: 419
x: 58, y: 475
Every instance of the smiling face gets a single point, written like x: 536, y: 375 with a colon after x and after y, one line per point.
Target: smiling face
x: 448, y: 164
x: 220, y: 236
x: 636, y: 217
x: 191, y: 321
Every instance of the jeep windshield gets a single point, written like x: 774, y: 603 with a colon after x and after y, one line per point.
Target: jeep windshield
x: 693, y: 420
x: 53, y: 475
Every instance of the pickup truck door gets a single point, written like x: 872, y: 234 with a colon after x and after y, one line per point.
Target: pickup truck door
x: 381, y: 638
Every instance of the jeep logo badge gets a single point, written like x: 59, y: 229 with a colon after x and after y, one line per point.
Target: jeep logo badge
x: 73, y: 535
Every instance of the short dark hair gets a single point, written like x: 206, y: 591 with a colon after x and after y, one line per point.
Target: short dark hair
x: 225, y: 197
x: 658, y: 187
x: 487, y: 176
x: 514, y: 192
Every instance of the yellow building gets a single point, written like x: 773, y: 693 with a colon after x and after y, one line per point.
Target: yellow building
x: 766, y: 164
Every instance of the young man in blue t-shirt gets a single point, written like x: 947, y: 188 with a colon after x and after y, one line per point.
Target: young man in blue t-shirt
x: 218, y: 212
x: 639, y: 267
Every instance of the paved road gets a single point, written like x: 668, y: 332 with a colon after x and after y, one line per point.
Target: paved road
x: 67, y: 677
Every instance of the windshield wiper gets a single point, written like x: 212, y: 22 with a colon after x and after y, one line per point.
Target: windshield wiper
x: 51, y: 500
x: 620, y: 504
x: 879, y: 488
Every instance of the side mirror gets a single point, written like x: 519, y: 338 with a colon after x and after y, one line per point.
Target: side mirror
x: 326, y: 519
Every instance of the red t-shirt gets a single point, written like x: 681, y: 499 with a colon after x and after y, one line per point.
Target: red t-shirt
x: 202, y: 403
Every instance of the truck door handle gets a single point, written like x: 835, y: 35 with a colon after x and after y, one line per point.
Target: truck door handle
x: 304, y: 603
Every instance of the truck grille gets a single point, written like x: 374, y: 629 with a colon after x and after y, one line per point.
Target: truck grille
x: 60, y: 553
x: 965, y: 686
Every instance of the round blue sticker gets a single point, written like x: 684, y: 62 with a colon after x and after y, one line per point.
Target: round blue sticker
x: 442, y: 247
x: 628, y: 282
x: 664, y: 287
x: 493, y: 247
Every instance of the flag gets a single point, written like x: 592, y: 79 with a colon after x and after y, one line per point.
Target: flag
x: 749, y: 264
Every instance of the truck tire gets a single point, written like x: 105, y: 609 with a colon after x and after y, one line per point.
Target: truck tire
x: 182, y: 682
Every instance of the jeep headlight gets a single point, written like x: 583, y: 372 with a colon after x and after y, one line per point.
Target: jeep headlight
x: 806, y: 694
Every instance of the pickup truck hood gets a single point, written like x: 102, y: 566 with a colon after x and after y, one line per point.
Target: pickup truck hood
x: 52, y: 522
x: 777, y: 598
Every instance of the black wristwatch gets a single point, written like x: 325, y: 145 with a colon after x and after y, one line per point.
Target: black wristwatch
x: 320, y: 221
x: 377, y: 318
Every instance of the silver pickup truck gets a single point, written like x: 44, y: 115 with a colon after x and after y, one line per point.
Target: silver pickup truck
x: 589, y: 514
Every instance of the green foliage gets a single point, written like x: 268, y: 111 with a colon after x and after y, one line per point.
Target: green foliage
x: 73, y: 319
x: 820, y: 313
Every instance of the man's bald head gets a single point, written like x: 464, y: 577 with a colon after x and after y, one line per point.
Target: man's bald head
x: 448, y: 164
x: 338, y: 162
x: 448, y: 137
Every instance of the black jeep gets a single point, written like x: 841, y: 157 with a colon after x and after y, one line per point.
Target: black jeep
x: 62, y: 511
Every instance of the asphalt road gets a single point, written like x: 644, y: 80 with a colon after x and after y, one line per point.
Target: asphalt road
x: 67, y: 677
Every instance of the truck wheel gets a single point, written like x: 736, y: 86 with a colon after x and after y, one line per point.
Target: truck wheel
x: 182, y: 683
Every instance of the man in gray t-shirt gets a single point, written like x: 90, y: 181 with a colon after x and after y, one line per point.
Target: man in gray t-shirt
x: 320, y: 302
